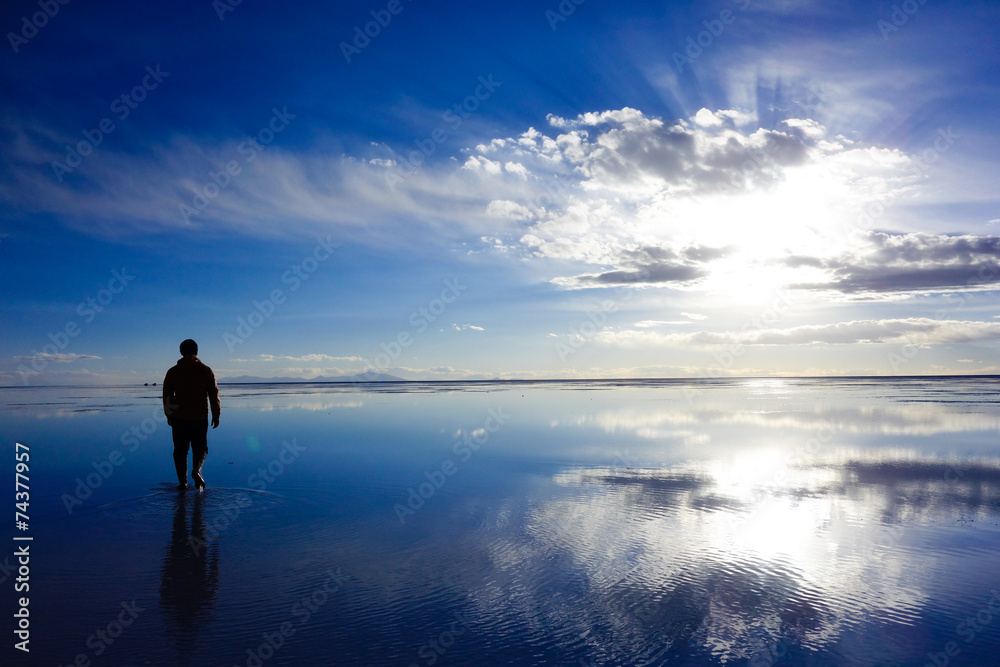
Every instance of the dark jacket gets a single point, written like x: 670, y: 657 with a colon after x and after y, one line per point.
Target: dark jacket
x: 188, y: 390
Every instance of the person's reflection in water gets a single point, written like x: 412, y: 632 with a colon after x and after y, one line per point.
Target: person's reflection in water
x: 190, y: 576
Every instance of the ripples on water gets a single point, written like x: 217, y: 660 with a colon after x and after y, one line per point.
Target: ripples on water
x: 763, y: 522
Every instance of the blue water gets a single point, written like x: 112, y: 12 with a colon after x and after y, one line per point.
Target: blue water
x: 761, y: 522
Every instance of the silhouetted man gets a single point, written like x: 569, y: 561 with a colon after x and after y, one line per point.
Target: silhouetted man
x: 189, y: 389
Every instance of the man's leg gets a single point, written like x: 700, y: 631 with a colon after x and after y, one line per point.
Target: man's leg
x: 181, y: 438
x: 199, y: 450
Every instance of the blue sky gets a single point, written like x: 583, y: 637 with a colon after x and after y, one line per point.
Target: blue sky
x: 516, y: 190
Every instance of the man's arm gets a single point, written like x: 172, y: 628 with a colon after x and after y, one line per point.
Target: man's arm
x: 213, y: 399
x: 168, y: 396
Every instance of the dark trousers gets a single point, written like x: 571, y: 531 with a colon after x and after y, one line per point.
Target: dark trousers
x: 193, y: 434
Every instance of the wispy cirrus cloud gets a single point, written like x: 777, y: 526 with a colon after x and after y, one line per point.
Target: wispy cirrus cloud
x: 58, y: 357
x: 914, y: 330
x: 305, y: 357
x: 614, y: 198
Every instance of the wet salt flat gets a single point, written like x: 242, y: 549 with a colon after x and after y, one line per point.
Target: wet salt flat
x: 762, y: 522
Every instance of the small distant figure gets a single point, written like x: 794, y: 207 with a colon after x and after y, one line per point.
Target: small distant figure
x: 189, y: 389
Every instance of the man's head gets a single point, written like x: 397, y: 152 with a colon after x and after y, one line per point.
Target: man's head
x: 189, y: 348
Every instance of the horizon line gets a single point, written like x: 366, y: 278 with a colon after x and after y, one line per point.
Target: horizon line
x: 549, y: 380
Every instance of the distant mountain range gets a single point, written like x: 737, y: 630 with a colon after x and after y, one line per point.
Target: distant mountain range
x: 361, y: 377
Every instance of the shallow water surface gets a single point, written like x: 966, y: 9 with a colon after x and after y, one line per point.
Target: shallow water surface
x: 763, y: 522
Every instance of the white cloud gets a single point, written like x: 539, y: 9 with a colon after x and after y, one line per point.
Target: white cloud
x: 909, y: 262
x: 58, y: 357
x: 915, y: 330
x: 508, y: 209
x: 706, y: 118
x: 305, y: 357
x: 516, y: 169
x: 613, y: 197
x: 648, y: 324
x: 709, y: 118
x: 810, y: 128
